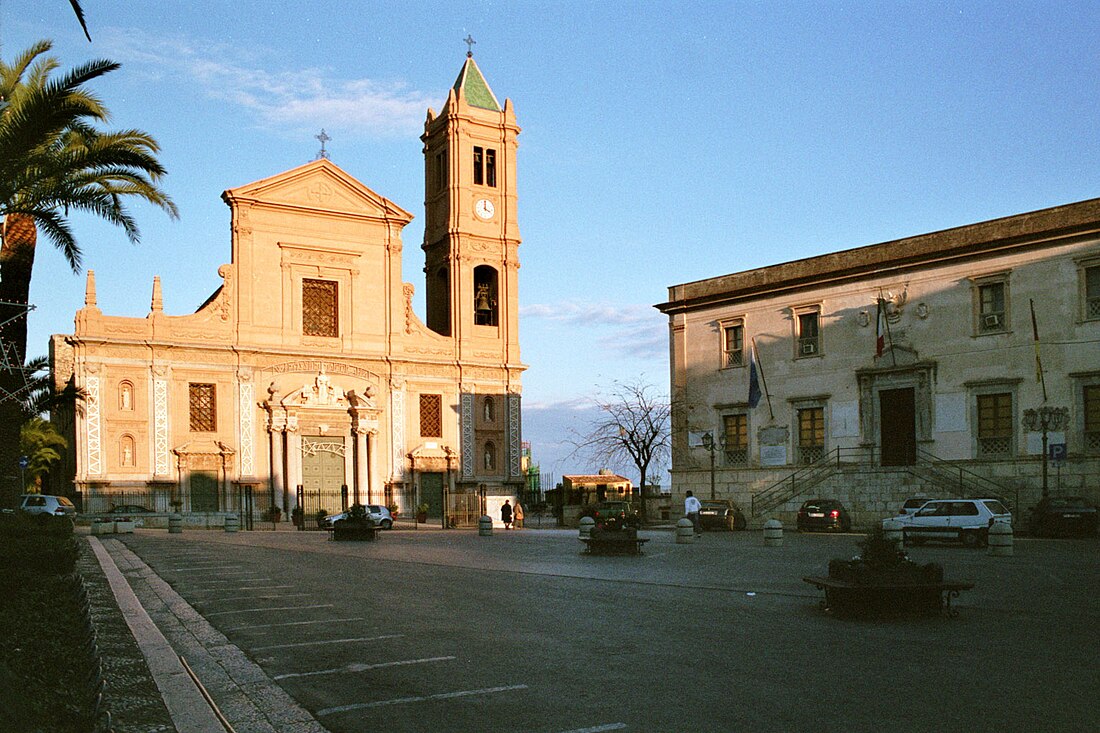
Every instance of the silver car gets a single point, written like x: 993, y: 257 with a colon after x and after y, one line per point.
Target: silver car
x: 44, y: 504
x: 376, y: 513
x: 965, y: 520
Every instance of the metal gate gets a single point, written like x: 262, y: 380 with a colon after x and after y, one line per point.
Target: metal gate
x: 464, y: 510
x: 314, y: 503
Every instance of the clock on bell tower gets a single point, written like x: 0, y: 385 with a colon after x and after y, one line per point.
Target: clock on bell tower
x: 471, y: 237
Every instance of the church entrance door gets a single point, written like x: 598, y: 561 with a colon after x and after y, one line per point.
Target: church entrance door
x: 322, y: 474
x: 431, y: 493
x: 898, y: 436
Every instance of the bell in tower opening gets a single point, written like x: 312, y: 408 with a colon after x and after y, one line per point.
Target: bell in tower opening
x: 485, y: 296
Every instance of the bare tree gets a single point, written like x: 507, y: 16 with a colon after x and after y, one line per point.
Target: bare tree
x: 632, y: 428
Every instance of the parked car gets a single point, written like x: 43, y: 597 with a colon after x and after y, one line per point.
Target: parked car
x: 44, y: 504
x: 823, y: 515
x: 1062, y: 515
x: 131, y: 512
x: 965, y: 520
x: 911, y: 505
x: 376, y: 513
x: 614, y: 514
x: 721, y: 514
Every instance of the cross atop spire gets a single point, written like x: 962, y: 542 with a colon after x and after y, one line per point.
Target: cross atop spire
x: 469, y: 41
x: 324, y: 138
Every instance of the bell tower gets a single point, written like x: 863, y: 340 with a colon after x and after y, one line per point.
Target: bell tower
x: 471, y: 235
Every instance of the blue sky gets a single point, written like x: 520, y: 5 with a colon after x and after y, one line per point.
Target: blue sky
x: 662, y: 142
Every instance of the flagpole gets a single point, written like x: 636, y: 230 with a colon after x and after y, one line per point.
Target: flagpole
x: 763, y: 381
x: 886, y: 320
x: 1039, y: 376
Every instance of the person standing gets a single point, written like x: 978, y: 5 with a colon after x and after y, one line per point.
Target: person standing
x: 517, y: 516
x: 691, y: 509
x: 506, y: 514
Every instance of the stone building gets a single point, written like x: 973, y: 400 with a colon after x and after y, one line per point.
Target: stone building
x: 307, y: 376
x: 907, y: 367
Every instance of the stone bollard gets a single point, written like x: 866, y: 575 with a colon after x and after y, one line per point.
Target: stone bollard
x: 485, y: 526
x: 175, y: 524
x: 1000, y: 539
x: 125, y: 526
x: 892, y: 529
x: 232, y: 523
x: 586, y: 526
x: 773, y: 533
x: 100, y: 528
x: 685, y: 531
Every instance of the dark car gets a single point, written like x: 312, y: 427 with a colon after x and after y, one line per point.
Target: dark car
x: 1062, y: 516
x: 614, y: 515
x: 721, y: 514
x: 823, y: 515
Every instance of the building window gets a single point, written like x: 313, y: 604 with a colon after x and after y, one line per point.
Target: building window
x: 491, y: 168
x: 319, y: 308
x: 126, y: 397
x: 1091, y: 397
x: 736, y: 439
x: 479, y: 165
x: 809, y: 333
x: 733, y: 344
x: 431, y: 416
x: 995, y: 425
x: 991, y: 305
x: 126, y: 454
x: 489, y: 410
x: 811, y: 434
x: 1092, y: 292
x: 440, y: 170
x: 204, y: 408
x: 490, y: 457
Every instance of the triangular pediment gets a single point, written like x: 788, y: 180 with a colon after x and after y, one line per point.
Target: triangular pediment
x: 319, y: 185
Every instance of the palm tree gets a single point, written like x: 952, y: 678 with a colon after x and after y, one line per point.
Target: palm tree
x: 54, y: 160
x: 40, y: 442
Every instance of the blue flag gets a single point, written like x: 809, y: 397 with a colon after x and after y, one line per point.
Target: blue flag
x: 754, y: 380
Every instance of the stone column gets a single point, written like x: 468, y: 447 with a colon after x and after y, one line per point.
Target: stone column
x: 362, y: 468
x: 293, y: 463
x: 278, y: 478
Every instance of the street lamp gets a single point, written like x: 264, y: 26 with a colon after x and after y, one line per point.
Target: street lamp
x: 1047, y: 420
x: 711, y: 446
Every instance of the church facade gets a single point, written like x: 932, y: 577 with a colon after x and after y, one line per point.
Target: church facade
x: 307, y: 379
x: 939, y: 365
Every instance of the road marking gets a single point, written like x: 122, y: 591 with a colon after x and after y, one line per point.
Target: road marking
x: 598, y: 728
x: 257, y: 610
x: 326, y: 641
x: 235, y: 580
x: 425, y: 698
x: 293, y: 623
x: 206, y: 567
x: 235, y: 595
x: 357, y: 667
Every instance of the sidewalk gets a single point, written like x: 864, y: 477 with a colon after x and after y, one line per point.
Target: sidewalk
x: 159, y: 646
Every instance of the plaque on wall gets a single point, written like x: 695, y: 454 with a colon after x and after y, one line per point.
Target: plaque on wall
x: 773, y: 455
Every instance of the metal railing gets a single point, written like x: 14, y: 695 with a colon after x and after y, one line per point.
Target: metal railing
x: 954, y: 478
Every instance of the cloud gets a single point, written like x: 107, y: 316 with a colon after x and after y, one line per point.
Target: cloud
x: 305, y: 98
x: 593, y: 314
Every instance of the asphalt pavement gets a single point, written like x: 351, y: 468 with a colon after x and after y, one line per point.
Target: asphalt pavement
x: 450, y: 631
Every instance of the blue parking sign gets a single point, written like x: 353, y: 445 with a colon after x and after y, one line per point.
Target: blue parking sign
x: 1057, y: 453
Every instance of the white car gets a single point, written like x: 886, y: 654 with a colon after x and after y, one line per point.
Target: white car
x: 912, y: 504
x: 965, y: 520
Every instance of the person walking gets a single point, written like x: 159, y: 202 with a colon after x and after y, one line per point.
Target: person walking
x: 506, y: 514
x: 517, y: 516
x: 691, y: 509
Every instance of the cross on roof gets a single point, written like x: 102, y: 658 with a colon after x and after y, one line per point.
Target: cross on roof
x: 324, y: 138
x: 469, y: 41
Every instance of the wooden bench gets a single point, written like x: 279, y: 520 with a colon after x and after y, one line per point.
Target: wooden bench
x: 611, y: 545
x: 846, y: 598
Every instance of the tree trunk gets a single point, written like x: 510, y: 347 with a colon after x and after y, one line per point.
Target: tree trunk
x: 16, y: 263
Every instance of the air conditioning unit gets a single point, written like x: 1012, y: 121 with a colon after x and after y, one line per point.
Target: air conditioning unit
x: 991, y: 320
x: 809, y: 348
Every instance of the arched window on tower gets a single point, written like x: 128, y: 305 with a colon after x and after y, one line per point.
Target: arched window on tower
x: 485, y: 296
x: 490, y: 456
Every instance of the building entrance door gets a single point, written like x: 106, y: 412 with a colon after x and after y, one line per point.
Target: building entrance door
x: 323, y: 470
x: 897, y: 418
x: 431, y: 493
